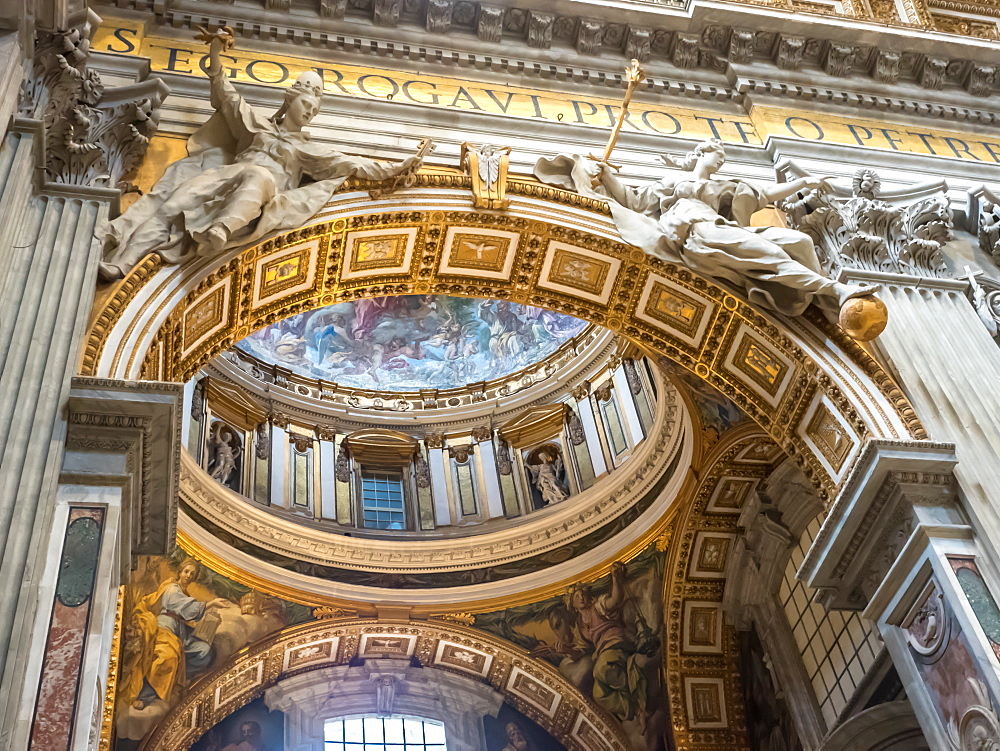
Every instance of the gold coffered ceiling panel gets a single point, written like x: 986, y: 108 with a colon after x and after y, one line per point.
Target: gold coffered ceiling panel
x: 406, y: 246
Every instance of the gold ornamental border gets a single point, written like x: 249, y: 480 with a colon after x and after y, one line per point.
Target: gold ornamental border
x: 672, y: 314
x: 328, y: 642
x: 712, y: 669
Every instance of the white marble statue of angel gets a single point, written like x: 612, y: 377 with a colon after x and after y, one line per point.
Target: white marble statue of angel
x: 224, y: 452
x: 545, y: 475
x: 703, y: 222
x: 245, y: 176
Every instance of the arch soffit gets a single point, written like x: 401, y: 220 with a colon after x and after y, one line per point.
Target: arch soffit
x: 702, y: 652
x: 535, y: 688
x: 816, y: 393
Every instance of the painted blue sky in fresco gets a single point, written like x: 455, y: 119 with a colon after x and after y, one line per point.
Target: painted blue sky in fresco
x: 413, y: 342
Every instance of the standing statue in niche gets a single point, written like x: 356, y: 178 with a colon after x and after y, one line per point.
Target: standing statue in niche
x: 225, y: 450
x: 545, y: 475
x: 246, y: 176
x: 703, y: 222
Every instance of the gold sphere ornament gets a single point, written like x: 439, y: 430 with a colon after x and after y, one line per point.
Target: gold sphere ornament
x: 864, y: 318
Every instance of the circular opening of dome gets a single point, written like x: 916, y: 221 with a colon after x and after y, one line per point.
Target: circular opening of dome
x: 413, y: 342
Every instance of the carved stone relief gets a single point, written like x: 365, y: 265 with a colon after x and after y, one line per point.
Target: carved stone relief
x: 93, y: 136
x: 869, y: 233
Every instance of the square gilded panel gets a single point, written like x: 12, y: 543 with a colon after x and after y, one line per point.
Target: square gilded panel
x: 205, y: 316
x: 477, y: 252
x: 387, y: 645
x: 323, y: 650
x: 183, y: 732
x: 286, y: 272
x: 706, y: 703
x: 759, y: 365
x: 378, y: 252
x: 588, y: 736
x: 711, y: 549
x: 702, y: 627
x: 463, y: 658
x: 681, y: 312
x: 730, y: 494
x: 761, y: 452
x: 533, y: 691
x: 829, y: 434
x: 247, y: 679
x: 579, y: 272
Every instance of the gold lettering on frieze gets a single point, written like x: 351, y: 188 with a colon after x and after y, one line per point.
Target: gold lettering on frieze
x: 188, y: 57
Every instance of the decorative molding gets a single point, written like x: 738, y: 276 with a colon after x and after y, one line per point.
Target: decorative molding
x: 140, y: 418
x: 597, y: 510
x: 264, y: 664
x: 94, y: 137
x: 871, y: 234
x: 645, y: 294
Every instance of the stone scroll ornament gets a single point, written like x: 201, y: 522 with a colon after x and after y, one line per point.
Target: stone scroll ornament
x: 703, y: 222
x: 246, y: 175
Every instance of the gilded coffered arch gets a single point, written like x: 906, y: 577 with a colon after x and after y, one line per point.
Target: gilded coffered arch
x: 702, y: 653
x: 817, y: 394
x: 534, y: 687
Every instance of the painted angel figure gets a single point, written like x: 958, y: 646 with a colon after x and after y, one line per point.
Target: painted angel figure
x: 703, y: 222
x: 224, y: 454
x: 245, y: 176
x: 545, y: 475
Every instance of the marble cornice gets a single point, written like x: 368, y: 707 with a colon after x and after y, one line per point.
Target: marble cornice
x: 611, y: 499
x: 701, y: 49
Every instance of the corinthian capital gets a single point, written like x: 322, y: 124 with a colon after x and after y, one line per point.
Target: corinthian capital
x: 897, y: 232
x: 94, y: 136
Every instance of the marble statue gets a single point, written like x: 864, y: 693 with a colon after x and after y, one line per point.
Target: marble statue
x: 545, y: 476
x: 224, y: 454
x: 703, y: 222
x: 246, y: 176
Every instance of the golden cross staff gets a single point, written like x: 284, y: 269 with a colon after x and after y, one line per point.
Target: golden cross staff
x: 634, y: 75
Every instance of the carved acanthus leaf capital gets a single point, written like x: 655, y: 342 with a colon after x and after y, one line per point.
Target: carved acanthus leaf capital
x: 94, y: 136
x: 899, y: 234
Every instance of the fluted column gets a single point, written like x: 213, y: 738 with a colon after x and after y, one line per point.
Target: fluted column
x: 945, y: 360
x: 59, y: 177
x: 47, y: 290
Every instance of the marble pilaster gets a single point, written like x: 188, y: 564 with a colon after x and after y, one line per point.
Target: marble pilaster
x: 897, y: 544
x: 61, y: 166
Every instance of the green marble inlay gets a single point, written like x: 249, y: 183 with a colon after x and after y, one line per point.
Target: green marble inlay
x: 982, y: 602
x: 79, y: 562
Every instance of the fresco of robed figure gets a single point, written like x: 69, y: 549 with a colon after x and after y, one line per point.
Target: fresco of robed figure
x: 605, y: 638
x: 181, y: 620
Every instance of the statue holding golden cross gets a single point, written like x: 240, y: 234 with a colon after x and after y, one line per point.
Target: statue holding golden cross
x: 634, y: 75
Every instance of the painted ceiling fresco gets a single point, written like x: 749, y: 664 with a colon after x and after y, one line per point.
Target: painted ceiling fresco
x: 413, y: 341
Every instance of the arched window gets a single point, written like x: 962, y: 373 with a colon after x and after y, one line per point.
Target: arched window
x: 384, y: 734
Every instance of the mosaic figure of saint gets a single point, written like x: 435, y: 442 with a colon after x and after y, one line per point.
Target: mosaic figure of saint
x: 167, y: 654
x: 620, y: 684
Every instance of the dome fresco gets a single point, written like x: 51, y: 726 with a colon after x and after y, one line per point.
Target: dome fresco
x: 413, y: 341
